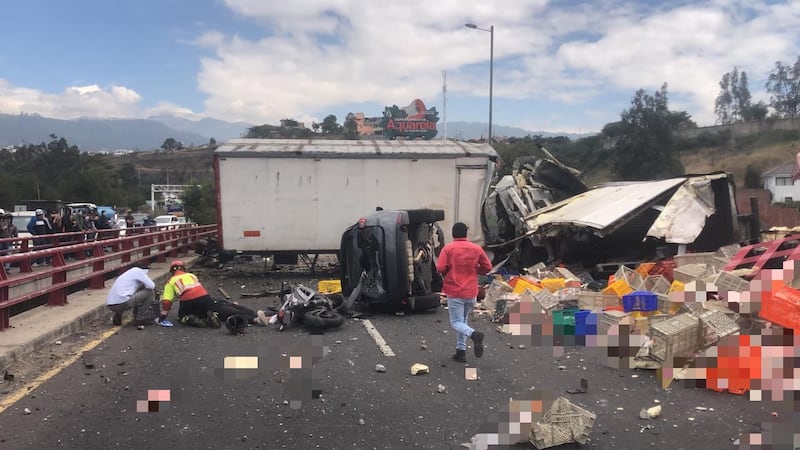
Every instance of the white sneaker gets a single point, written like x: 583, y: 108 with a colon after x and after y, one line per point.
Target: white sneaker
x: 262, y: 319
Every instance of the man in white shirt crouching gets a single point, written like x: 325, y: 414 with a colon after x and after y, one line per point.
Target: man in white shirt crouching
x: 131, y: 290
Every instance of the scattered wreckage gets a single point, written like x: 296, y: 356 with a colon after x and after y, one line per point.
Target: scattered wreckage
x: 544, y: 213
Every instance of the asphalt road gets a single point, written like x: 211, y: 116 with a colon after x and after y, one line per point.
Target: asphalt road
x: 358, y: 407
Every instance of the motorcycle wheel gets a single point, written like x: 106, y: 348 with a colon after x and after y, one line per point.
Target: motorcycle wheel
x: 322, y: 318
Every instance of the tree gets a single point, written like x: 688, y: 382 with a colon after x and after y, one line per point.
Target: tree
x: 330, y: 125
x: 755, y: 112
x: 734, y: 97
x: 315, y: 127
x: 212, y: 142
x: 199, y: 203
x: 643, y: 140
x: 350, y: 129
x: 784, y: 85
x: 170, y: 144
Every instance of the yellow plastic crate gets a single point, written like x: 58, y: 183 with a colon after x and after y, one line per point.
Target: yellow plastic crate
x: 329, y: 286
x: 677, y: 286
x: 554, y: 284
x: 523, y: 285
x: 618, y: 288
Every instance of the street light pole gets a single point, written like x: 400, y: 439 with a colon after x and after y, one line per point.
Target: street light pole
x: 491, y: 69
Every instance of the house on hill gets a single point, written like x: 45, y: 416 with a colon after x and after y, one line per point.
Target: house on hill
x: 778, y: 181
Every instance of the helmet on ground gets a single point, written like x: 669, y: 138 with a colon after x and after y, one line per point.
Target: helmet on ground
x: 236, y: 324
x: 175, y: 265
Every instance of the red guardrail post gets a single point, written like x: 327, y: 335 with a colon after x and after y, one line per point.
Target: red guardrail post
x: 97, y: 281
x: 4, y: 314
x: 58, y: 297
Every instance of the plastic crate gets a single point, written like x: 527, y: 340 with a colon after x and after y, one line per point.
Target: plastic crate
x: 657, y: 284
x: 691, y: 272
x: 664, y: 268
x: 630, y: 276
x: 667, y: 305
x: 546, y: 299
x: 494, y: 292
x: 728, y: 251
x: 609, y: 319
x: 692, y: 258
x: 563, y: 423
x: 586, y: 323
x: 644, y: 269
x: 596, y: 300
x: 521, y: 284
x: 678, y: 336
x: 716, y: 325
x: 640, y: 301
x: 783, y: 308
x: 677, y: 286
x: 566, y: 274
x: 726, y: 281
x: 564, y: 322
x: 329, y: 286
x: 553, y: 284
x: 618, y: 288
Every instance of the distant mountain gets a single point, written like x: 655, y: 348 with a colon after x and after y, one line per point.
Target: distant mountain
x: 218, y: 129
x: 92, y: 134
x: 474, y: 130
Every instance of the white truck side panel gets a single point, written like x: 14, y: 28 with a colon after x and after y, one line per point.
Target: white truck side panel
x: 305, y: 204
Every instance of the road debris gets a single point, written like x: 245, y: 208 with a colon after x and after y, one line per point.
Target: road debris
x: 581, y: 390
x: 442, y: 389
x: 26, y: 411
x: 563, y: 423
x: 8, y: 376
x: 419, y: 369
x: 380, y: 368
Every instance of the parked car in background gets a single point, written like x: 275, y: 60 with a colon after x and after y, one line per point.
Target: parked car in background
x: 20, y: 220
x: 169, y: 220
x: 142, y: 220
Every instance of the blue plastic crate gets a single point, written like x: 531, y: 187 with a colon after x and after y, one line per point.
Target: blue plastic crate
x: 586, y: 323
x: 640, y: 301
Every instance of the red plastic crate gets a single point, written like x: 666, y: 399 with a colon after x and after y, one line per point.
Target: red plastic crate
x: 663, y: 268
x: 782, y: 308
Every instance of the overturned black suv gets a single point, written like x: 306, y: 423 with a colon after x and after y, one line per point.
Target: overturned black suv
x: 388, y: 259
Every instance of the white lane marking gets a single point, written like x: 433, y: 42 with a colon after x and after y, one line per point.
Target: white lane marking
x: 382, y: 345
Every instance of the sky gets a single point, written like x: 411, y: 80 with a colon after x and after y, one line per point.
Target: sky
x: 558, y: 66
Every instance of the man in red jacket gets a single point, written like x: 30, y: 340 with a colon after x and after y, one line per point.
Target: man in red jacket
x: 460, y: 263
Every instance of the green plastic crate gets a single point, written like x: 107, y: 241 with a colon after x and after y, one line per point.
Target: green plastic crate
x: 564, y: 321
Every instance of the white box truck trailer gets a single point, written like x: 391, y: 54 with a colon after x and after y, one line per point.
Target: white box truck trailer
x: 296, y: 197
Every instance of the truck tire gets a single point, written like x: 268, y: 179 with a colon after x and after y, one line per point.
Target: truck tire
x: 322, y: 318
x: 425, y: 215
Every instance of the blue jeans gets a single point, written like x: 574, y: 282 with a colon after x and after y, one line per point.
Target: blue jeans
x: 460, y: 309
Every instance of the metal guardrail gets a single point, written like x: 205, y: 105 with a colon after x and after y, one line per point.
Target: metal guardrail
x: 70, y: 259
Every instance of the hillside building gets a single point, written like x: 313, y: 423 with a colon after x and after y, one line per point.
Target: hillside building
x: 778, y: 181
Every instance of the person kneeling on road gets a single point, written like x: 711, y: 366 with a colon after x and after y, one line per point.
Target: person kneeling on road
x: 197, y: 308
x: 460, y: 263
x: 131, y: 290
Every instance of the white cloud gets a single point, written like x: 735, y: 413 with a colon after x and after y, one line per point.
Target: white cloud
x: 315, y: 56
x: 72, y: 103
x: 327, y: 53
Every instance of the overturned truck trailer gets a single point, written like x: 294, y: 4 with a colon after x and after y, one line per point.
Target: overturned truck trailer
x: 296, y: 197
x: 622, y: 220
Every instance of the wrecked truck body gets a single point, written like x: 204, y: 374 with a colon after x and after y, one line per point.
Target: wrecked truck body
x: 622, y: 220
x: 534, y: 184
